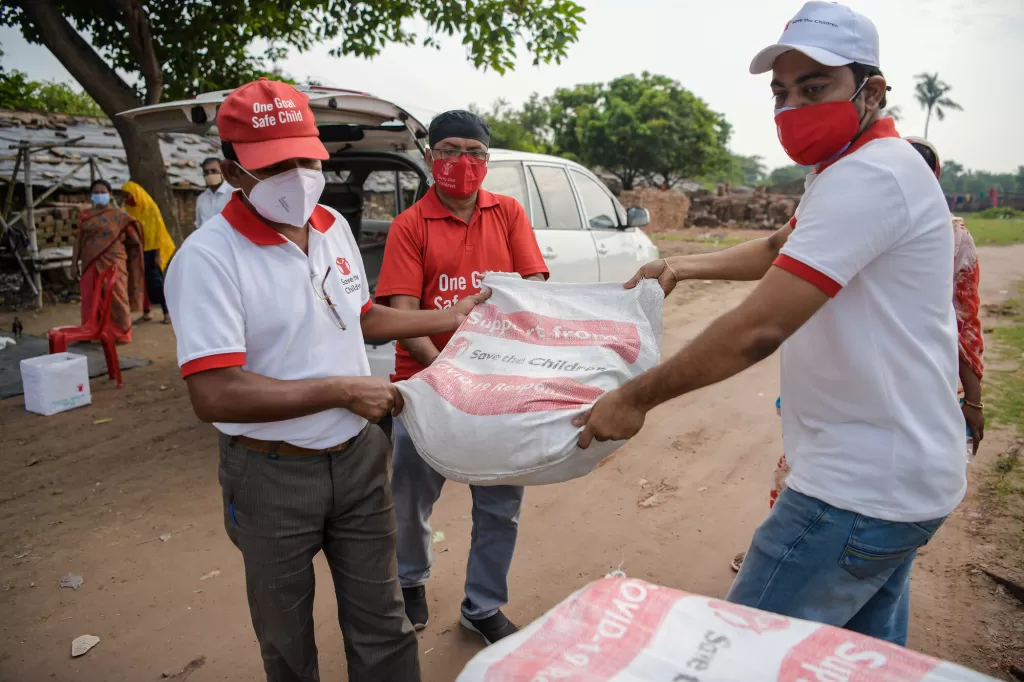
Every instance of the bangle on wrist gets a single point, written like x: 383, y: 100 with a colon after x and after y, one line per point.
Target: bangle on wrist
x: 670, y: 268
x: 977, y: 406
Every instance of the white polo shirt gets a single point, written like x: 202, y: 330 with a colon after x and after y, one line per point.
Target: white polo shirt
x: 871, y: 422
x: 241, y: 295
x: 210, y: 203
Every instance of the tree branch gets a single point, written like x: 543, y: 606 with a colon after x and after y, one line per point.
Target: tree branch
x: 141, y: 44
x: 78, y: 57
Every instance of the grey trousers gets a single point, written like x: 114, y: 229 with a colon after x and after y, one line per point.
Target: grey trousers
x: 495, y: 529
x: 280, y: 511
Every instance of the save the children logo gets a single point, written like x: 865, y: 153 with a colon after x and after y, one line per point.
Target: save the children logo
x: 458, y: 346
x: 343, y: 266
x: 748, y: 619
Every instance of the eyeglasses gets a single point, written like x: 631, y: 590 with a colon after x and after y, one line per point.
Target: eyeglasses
x: 475, y: 157
x: 321, y: 292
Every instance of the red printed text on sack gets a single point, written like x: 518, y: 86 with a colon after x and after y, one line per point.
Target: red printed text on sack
x: 621, y: 337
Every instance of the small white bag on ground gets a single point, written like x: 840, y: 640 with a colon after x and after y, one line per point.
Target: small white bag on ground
x: 496, y: 407
x: 625, y: 630
x: 55, y: 383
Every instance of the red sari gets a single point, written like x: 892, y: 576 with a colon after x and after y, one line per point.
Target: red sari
x: 109, y: 238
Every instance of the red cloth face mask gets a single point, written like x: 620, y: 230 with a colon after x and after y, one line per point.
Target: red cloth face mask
x: 818, y: 132
x: 459, y: 178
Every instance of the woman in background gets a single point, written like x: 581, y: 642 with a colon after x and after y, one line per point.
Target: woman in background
x: 157, y: 244
x: 966, y: 304
x: 109, y: 238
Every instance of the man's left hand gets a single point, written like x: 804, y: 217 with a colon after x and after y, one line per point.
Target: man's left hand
x: 615, y: 416
x: 462, y: 309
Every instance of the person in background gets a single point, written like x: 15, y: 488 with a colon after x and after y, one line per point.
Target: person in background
x: 454, y: 234
x: 857, y: 297
x: 271, y: 306
x: 216, y: 195
x: 158, y: 245
x: 967, y: 304
x: 107, y: 238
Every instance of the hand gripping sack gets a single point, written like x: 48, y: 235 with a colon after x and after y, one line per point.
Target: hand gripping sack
x: 497, y: 405
x: 625, y: 630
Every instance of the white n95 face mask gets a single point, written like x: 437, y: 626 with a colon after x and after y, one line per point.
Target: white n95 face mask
x: 288, y: 197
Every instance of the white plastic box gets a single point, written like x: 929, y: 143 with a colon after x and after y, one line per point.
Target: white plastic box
x: 55, y: 383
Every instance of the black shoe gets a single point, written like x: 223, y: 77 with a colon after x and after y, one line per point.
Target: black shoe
x: 492, y: 629
x: 416, y: 606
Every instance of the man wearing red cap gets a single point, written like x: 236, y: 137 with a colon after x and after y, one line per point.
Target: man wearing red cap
x: 856, y: 293
x: 271, y: 305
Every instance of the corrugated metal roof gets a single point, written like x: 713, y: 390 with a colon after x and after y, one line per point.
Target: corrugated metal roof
x: 183, y: 154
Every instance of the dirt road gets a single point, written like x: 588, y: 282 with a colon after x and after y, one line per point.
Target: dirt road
x: 100, y: 496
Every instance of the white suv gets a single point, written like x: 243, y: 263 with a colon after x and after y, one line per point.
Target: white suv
x: 584, y: 233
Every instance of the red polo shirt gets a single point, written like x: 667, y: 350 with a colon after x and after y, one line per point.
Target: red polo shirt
x: 439, y: 259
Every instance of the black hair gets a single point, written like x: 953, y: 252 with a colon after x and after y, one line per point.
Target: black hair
x: 210, y: 159
x: 862, y: 72
x: 228, y: 150
x: 110, y: 190
x: 929, y: 155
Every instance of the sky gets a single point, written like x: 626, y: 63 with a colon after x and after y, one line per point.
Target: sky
x: 976, y: 46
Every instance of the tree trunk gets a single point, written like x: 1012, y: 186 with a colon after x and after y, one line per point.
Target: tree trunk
x: 145, y: 160
x: 927, y: 122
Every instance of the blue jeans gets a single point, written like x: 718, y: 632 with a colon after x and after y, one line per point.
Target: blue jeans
x: 813, y: 561
x: 416, y: 487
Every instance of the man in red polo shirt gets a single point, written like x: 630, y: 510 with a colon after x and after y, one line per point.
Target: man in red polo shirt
x: 437, y: 253
x: 271, y: 303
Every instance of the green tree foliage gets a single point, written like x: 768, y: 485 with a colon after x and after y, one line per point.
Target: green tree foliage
x: 742, y: 170
x: 932, y: 94
x: 146, y: 51
x: 958, y: 180
x: 786, y: 174
x: 18, y: 92
x: 519, y: 129
x: 645, y: 126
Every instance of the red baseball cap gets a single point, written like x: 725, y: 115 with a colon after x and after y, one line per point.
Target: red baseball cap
x: 267, y: 122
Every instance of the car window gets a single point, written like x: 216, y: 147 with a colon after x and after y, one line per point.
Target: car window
x: 507, y: 178
x: 557, y: 202
x: 597, y: 203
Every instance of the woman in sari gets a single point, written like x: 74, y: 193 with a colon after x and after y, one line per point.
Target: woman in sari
x: 157, y: 246
x: 109, y: 238
x: 966, y: 305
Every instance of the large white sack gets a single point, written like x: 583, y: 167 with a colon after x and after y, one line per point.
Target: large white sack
x: 625, y: 630
x: 496, y: 407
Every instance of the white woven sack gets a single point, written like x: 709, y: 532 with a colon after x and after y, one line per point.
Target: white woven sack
x: 626, y: 630
x: 496, y: 407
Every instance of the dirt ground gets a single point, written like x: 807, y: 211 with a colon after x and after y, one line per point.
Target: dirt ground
x: 95, y: 498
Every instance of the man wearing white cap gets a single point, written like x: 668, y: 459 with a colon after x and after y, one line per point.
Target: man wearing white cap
x: 858, y: 300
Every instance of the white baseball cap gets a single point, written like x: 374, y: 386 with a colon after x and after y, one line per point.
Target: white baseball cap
x: 827, y: 32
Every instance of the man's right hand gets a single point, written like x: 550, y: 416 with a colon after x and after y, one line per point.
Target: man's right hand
x: 75, y: 274
x: 659, y: 270
x: 372, y: 398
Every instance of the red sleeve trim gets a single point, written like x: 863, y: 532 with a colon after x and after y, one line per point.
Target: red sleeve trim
x: 219, y: 361
x: 527, y: 272
x: 366, y: 308
x: 792, y: 223
x: 828, y: 286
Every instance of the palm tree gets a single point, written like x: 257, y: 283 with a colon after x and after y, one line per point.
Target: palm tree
x: 931, y: 94
x: 895, y: 113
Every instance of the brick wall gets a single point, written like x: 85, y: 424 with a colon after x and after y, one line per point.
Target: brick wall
x: 669, y: 209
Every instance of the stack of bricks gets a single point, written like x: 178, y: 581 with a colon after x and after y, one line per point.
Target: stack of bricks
x: 55, y: 226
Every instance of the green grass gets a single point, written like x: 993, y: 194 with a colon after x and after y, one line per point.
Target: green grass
x: 697, y: 239
x: 994, y: 231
